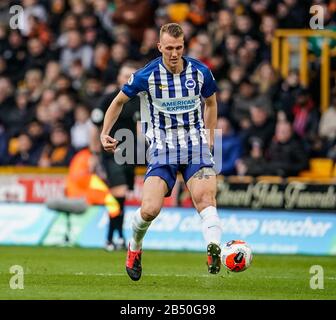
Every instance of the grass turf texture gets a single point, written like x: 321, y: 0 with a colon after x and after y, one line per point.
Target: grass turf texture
x: 76, y: 273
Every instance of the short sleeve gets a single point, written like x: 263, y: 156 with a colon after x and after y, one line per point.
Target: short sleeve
x: 134, y: 85
x: 209, y: 86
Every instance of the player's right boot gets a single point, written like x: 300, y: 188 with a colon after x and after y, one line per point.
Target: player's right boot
x: 214, y: 258
x: 133, y: 264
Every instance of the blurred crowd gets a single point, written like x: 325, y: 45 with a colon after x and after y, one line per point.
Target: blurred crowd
x: 67, y: 53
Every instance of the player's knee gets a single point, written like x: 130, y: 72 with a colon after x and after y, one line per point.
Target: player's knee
x: 149, y: 211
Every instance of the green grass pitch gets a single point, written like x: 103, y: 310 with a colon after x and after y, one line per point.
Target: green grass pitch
x: 77, y: 273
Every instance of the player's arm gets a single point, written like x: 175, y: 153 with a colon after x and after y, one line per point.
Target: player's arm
x: 210, y: 117
x: 111, y: 116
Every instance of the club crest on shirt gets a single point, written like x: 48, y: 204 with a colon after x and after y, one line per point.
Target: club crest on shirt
x: 190, y: 84
x: 130, y: 80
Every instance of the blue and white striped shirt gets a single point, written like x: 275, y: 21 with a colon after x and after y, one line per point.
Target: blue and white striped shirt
x: 171, y: 113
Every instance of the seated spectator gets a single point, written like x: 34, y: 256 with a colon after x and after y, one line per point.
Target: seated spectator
x: 38, y: 55
x: 39, y: 29
x: 254, y: 164
x: 221, y: 27
x: 20, y: 113
x: 224, y: 99
x: 148, y: 48
x: 59, y: 151
x: 3, y: 144
x: 39, y: 134
x: 16, y: 55
x: 100, y: 58
x: 286, y: 155
x: 267, y: 80
x: 327, y: 125
x: 288, y: 91
x: 262, y: 127
x: 306, y: 115
x: 51, y: 74
x: 306, y: 121
x: 118, y: 55
x: 230, y: 145
x: 34, y: 84
x: 67, y: 104
x: 243, y: 99
x: 75, y: 49
x: 25, y: 155
x: 93, y: 90
x: 7, y: 101
x: 80, y: 131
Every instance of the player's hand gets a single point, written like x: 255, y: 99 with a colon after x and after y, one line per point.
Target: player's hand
x: 109, y: 144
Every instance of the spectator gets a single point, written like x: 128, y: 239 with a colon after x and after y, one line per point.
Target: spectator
x: 104, y: 12
x: 221, y: 27
x: 19, y: 114
x: 327, y: 125
x: 230, y: 145
x: 286, y: 155
x: 32, y: 8
x: 198, y: 13
x: 34, y: 84
x: 136, y: 15
x: 326, y: 141
x: 25, y: 155
x: 243, y: 99
x: 38, y: 134
x: 267, y: 81
x: 3, y: 144
x: 7, y: 101
x: 119, y: 54
x: 38, y: 55
x: 58, y: 152
x: 148, y: 48
x: 39, y: 30
x: 254, y: 163
x: 75, y: 49
x: 268, y: 26
x: 80, y: 131
x: 67, y: 105
x: 288, y: 91
x: 16, y: 56
x: 70, y: 52
x: 78, y: 76
x: 51, y: 74
x: 93, y: 90
x: 291, y: 14
x: 100, y: 59
x: 306, y: 117
x: 262, y: 127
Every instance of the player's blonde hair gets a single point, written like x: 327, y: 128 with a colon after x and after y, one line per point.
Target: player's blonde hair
x: 173, y: 29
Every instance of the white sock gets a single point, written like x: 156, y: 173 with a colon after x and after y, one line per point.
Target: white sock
x: 139, y: 227
x: 211, y: 225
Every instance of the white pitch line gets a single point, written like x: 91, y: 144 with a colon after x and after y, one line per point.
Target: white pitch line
x: 184, y: 275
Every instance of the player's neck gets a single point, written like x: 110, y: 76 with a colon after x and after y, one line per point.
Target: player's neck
x: 174, y: 69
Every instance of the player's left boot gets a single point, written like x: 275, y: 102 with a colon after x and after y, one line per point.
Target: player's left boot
x: 133, y: 264
x: 214, y: 258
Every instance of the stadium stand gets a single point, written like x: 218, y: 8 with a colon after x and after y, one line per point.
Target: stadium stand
x: 270, y: 67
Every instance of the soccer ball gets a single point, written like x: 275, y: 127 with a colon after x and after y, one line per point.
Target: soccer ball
x: 236, y: 255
